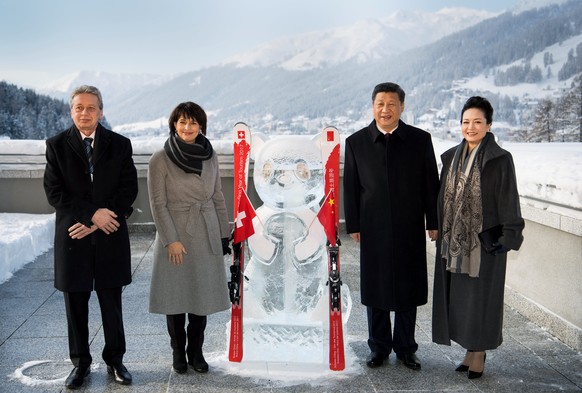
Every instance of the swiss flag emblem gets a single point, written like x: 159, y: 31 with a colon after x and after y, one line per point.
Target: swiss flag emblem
x: 330, y: 136
x: 243, y: 223
x: 241, y: 134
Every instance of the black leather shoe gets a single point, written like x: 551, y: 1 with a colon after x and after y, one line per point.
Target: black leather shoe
x: 376, y: 359
x: 198, y: 363
x: 410, y: 360
x: 118, y: 370
x: 76, y: 377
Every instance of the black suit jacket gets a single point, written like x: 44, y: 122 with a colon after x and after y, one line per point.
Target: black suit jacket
x: 76, y: 198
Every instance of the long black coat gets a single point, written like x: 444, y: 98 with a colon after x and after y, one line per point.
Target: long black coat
x: 390, y: 191
x: 69, y: 190
x: 469, y: 310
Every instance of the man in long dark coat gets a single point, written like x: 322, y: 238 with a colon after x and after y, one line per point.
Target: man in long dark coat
x: 91, y: 181
x: 390, y: 189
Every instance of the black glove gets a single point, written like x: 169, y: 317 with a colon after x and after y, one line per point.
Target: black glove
x: 225, y: 246
x: 499, y: 249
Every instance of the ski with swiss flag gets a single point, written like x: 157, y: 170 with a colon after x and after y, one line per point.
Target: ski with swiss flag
x: 242, y: 149
x: 329, y: 217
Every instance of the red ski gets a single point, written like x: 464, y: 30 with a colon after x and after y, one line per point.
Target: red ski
x: 242, y: 148
x: 330, y: 152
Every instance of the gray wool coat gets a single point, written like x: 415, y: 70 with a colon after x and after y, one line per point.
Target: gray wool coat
x: 469, y: 310
x: 189, y: 208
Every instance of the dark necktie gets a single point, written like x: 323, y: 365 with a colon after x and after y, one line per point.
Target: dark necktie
x: 89, y: 152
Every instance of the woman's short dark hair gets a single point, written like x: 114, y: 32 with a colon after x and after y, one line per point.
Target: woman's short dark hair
x: 188, y: 110
x: 479, y: 103
x: 388, y: 87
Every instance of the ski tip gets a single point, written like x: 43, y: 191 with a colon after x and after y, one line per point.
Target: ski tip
x: 330, y: 135
x: 241, y: 123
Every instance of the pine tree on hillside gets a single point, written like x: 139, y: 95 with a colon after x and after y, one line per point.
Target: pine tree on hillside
x: 24, y: 114
x: 543, y: 128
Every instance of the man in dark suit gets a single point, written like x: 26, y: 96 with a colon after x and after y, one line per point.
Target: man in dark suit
x: 91, y: 181
x: 390, y: 191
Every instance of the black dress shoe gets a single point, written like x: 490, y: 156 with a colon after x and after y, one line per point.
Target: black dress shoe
x: 463, y: 367
x: 198, y: 363
x: 118, y: 370
x: 76, y: 377
x: 376, y: 359
x: 410, y: 360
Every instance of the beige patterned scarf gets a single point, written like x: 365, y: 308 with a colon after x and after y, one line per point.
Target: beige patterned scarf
x: 463, y: 212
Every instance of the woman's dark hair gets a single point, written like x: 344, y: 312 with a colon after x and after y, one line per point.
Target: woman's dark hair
x: 479, y: 103
x: 188, y: 110
x: 388, y: 87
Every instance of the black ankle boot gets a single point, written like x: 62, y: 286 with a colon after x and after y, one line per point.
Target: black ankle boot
x: 179, y: 363
x: 198, y: 363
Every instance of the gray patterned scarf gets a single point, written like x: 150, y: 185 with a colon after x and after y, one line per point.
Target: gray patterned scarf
x: 188, y: 156
x: 463, y: 212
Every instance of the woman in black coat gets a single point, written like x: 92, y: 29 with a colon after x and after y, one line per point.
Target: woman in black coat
x: 478, y: 210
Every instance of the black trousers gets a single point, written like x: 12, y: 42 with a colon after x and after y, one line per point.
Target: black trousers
x: 77, y: 308
x: 380, y: 336
x: 190, y: 340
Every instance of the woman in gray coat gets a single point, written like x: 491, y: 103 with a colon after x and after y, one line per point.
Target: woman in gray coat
x: 479, y: 221
x: 189, y: 211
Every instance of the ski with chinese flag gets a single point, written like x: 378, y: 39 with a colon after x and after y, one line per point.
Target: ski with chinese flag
x: 243, y: 228
x: 329, y: 217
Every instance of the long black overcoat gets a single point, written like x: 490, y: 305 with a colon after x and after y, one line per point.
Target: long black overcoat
x: 69, y: 190
x: 390, y: 191
x: 469, y: 310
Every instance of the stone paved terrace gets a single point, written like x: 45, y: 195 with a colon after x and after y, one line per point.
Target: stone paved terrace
x: 33, y: 347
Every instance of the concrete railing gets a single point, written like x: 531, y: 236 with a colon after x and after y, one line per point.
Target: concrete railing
x: 543, y: 278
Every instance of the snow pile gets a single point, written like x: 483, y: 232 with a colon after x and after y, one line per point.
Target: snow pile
x: 23, y: 238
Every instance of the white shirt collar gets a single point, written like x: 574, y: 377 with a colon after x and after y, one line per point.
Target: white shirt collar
x: 385, y: 132
x: 83, y: 136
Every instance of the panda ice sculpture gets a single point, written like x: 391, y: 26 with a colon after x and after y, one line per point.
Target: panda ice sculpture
x: 286, y: 300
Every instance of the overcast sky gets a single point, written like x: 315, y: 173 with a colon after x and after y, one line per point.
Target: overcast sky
x: 41, y: 40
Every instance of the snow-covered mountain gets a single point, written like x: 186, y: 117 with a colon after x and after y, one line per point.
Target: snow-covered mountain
x: 366, y: 40
x: 526, y: 5
x: 369, y: 39
x: 299, y: 84
x: 113, y: 86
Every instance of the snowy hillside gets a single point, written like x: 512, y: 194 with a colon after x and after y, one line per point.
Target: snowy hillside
x: 549, y: 86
